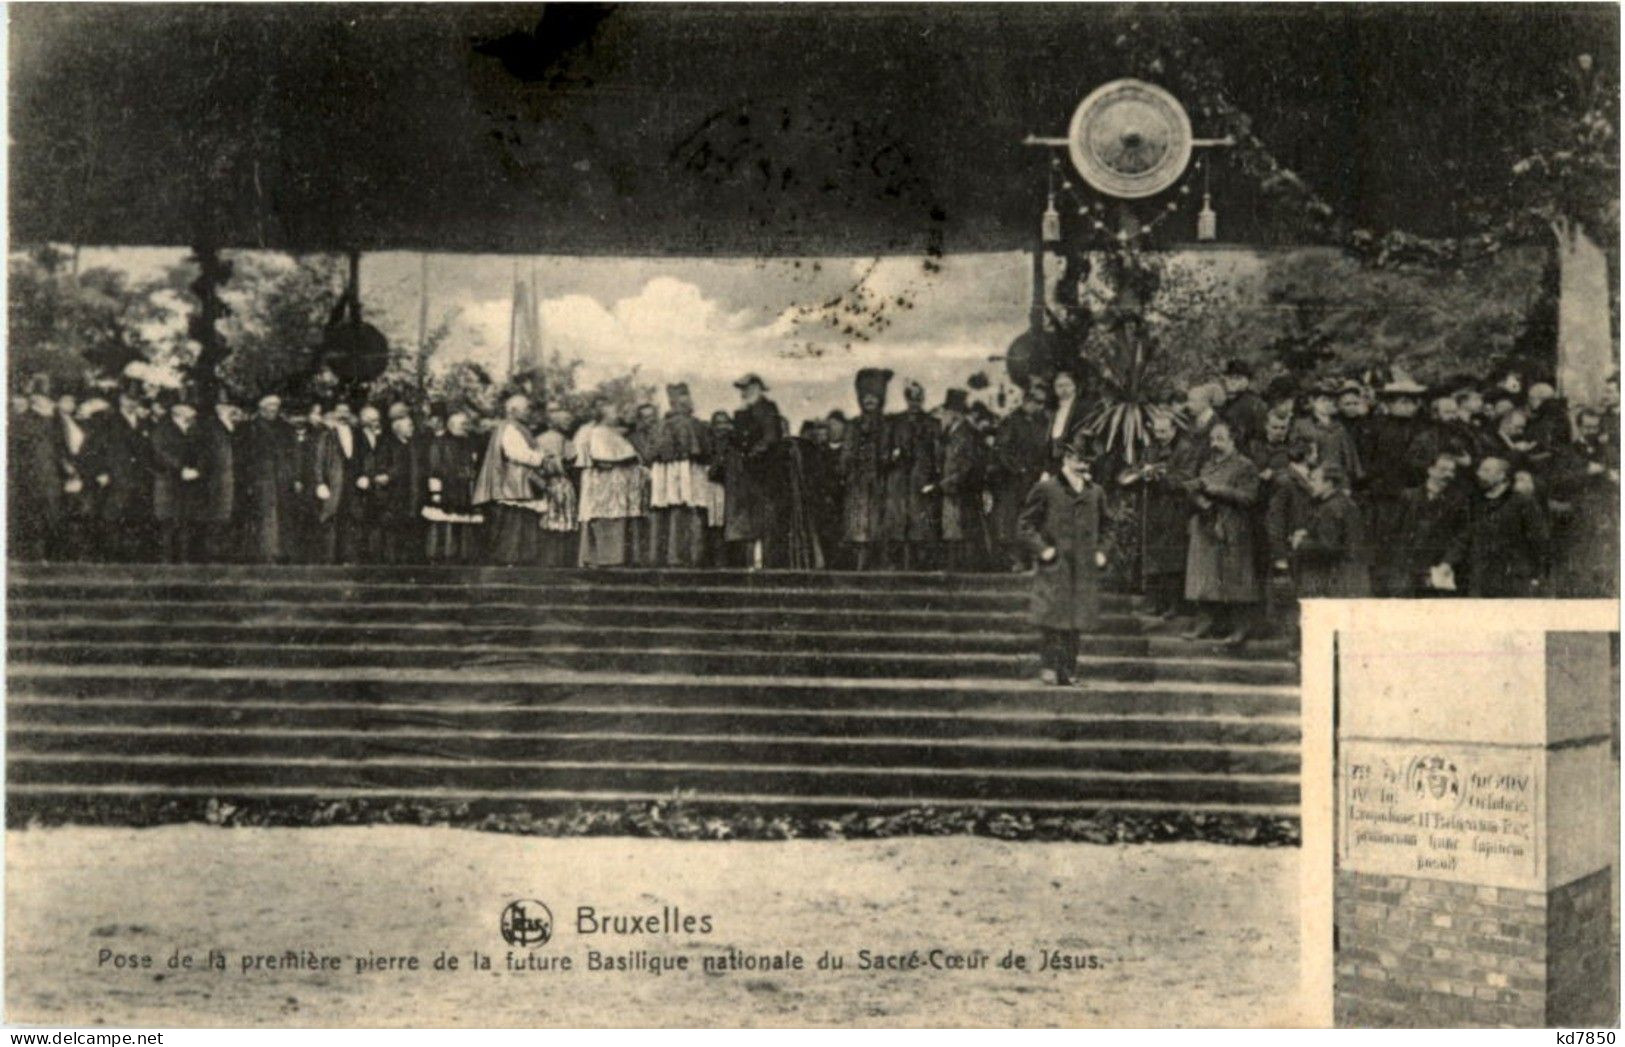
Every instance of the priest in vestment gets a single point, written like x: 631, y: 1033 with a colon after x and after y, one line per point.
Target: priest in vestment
x: 509, y: 485
x: 679, y: 482
x: 613, y: 491
x: 561, y: 538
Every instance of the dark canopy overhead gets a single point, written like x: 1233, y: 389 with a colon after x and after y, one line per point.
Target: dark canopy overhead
x: 737, y: 130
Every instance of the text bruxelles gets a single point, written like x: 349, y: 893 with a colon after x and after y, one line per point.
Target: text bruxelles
x: 669, y: 920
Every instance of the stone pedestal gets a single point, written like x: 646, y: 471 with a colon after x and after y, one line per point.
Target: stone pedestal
x: 1475, y: 832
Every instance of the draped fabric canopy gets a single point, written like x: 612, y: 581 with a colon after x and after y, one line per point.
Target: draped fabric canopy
x: 720, y: 130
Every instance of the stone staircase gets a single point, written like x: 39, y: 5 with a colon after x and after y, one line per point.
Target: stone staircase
x: 555, y: 688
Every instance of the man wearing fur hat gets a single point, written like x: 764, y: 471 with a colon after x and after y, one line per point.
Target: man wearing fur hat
x: 913, y: 525
x: 681, y: 456
x: 863, y: 470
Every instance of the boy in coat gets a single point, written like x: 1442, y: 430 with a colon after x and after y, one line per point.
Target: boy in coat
x: 1061, y: 523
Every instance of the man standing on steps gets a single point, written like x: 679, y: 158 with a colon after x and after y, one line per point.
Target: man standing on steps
x: 959, y: 485
x: 509, y: 487
x: 680, y: 458
x: 1221, y: 572
x: 863, y: 471
x: 1061, y: 524
x: 913, y: 525
x: 1020, y: 454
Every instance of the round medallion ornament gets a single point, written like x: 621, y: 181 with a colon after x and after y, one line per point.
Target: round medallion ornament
x: 1130, y: 139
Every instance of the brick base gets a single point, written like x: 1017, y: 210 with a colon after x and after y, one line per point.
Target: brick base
x: 1413, y: 952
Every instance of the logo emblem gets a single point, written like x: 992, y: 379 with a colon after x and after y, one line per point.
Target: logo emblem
x: 1435, y: 781
x: 527, y: 922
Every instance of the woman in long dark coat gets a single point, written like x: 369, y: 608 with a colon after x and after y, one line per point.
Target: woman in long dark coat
x: 1061, y: 523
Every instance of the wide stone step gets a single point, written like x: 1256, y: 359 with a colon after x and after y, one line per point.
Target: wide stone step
x: 318, y: 591
x: 616, y: 747
x: 581, y: 718
x: 498, y: 688
x: 474, y: 802
x: 543, y: 658
x: 543, y: 612
x: 480, y: 577
x: 323, y: 632
x: 339, y: 778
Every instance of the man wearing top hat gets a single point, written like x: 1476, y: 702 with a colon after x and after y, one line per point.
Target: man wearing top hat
x: 959, y: 484
x: 1244, y: 409
x: 863, y: 471
x: 912, y: 520
x: 1061, y: 523
x: 681, y: 456
x: 757, y: 503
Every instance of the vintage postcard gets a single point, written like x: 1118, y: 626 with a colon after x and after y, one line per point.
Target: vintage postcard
x: 907, y: 515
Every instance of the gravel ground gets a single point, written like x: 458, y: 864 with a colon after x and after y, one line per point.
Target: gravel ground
x: 1182, y: 933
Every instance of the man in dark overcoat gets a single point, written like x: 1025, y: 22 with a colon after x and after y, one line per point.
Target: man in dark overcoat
x: 1164, y: 514
x: 220, y: 439
x: 959, y: 484
x: 401, y: 475
x: 1061, y: 523
x: 367, y: 489
x: 913, y: 525
x: 270, y: 468
x: 1507, y: 538
x: 1221, y: 568
x: 1020, y: 455
x: 177, y: 487
x: 37, y: 456
x: 122, y: 471
x: 1429, y: 520
x: 1244, y: 409
x: 1585, y: 511
x: 863, y: 471
x: 758, y: 495
x: 1328, y: 553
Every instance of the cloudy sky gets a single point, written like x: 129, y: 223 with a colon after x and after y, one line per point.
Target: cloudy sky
x: 707, y: 321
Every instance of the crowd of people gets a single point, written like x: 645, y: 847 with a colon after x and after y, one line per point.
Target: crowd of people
x: 1243, y: 499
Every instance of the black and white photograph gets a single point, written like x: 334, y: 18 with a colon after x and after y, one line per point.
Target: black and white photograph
x: 811, y: 515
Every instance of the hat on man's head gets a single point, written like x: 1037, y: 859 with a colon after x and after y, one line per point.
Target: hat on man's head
x: 1078, y: 444
x: 1280, y: 387
x: 749, y: 380
x: 1331, y: 387
x: 676, y: 389
x: 956, y: 400
x: 914, y: 392
x: 836, y: 415
x: 1237, y: 369
x: 872, y: 381
x: 1404, y: 386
